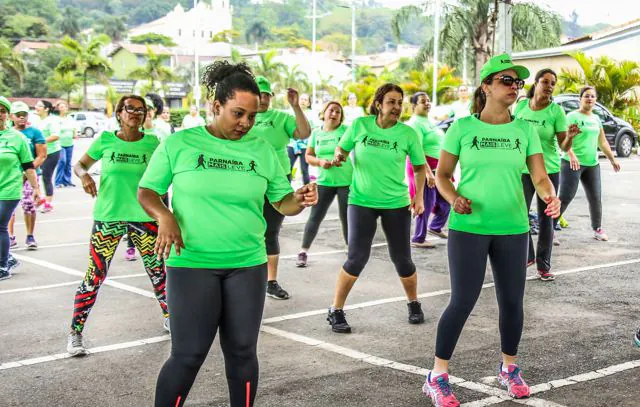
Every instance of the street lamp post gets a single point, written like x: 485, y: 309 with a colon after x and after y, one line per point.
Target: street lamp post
x: 313, y: 56
x: 196, y: 72
x: 436, y: 44
x: 353, y: 41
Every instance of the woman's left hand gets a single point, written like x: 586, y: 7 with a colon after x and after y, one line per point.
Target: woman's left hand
x: 431, y: 180
x: 616, y: 165
x: 307, y: 195
x: 553, y: 206
x: 293, y: 97
x: 417, y: 206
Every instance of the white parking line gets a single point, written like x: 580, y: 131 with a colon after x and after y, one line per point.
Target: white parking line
x: 53, y: 246
x: 59, y: 220
x: 46, y: 287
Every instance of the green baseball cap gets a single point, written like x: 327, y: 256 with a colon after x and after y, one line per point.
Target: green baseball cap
x: 19, y: 107
x: 5, y: 102
x: 264, y: 85
x: 501, y: 63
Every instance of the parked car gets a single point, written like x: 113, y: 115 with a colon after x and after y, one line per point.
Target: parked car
x: 620, y: 134
x: 89, y: 123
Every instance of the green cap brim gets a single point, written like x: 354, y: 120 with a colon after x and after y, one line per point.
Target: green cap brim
x: 522, y: 71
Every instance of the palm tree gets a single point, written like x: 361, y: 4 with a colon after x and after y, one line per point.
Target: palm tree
x: 154, y: 71
x: 86, y: 61
x: 268, y: 67
x: 64, y: 83
x: 423, y: 81
x: 258, y: 33
x: 112, y: 98
x: 473, y: 22
x: 11, y: 62
x: 293, y: 77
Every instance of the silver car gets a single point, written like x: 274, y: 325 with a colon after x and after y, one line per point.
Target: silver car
x: 89, y: 123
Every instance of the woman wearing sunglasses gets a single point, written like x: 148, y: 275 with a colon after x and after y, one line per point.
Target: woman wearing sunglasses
x: 550, y: 123
x: 489, y: 219
x: 125, y: 155
x: 581, y: 164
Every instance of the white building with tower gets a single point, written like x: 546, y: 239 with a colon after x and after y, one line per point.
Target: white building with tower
x: 189, y: 28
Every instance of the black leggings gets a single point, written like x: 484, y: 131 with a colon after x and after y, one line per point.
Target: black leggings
x: 319, y: 211
x: 48, y: 167
x: 468, y: 254
x: 545, y: 234
x: 590, y: 179
x: 396, y: 225
x: 274, y: 221
x: 201, y: 301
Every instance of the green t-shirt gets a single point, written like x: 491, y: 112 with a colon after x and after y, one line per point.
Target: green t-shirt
x: 276, y: 127
x: 585, y: 144
x: 430, y: 136
x: 123, y: 163
x: 547, y: 123
x: 218, y: 195
x: 67, y: 131
x: 491, y: 158
x: 50, y: 126
x: 14, y: 151
x: 324, y: 144
x: 379, y: 160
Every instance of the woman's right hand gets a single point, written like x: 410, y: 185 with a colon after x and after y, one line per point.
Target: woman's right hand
x: 168, y: 234
x: 431, y: 180
x: 573, y: 162
x: 325, y: 164
x: 462, y: 206
x: 89, y: 185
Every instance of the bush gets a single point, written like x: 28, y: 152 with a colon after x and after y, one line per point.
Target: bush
x: 178, y: 114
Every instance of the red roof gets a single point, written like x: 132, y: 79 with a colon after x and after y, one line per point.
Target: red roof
x: 32, y: 45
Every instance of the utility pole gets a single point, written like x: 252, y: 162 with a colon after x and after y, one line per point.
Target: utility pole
x: 436, y: 44
x: 353, y: 41
x: 196, y: 72
x: 313, y: 55
x: 504, y: 32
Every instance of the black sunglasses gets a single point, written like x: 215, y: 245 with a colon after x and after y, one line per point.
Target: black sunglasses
x: 132, y: 110
x: 510, y: 80
x: 21, y: 114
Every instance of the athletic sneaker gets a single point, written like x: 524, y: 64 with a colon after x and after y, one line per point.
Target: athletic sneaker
x: 166, y: 324
x: 636, y: 338
x: 12, y: 263
x: 338, y: 322
x: 563, y: 222
x: 545, y: 275
x: 130, y: 255
x: 12, y: 242
x: 531, y: 263
x: 423, y: 245
x: 31, y: 243
x: 46, y: 208
x: 440, y: 234
x: 75, y: 344
x: 512, y: 380
x: 275, y: 291
x: 416, y: 316
x: 599, y: 234
x: 557, y: 227
x: 556, y: 242
x: 439, y: 389
x: 302, y: 260
x: 4, y: 274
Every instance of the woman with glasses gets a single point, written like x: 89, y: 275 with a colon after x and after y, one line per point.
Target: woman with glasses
x: 125, y: 155
x: 49, y: 125
x: 489, y: 219
x: 550, y: 122
x: 67, y: 136
x: 581, y: 164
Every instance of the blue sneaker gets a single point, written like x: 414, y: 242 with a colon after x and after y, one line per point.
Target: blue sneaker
x: 637, y: 338
x: 31, y: 243
x: 4, y: 274
x: 13, y: 263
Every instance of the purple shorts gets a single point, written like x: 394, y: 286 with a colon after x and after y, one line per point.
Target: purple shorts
x: 28, y: 205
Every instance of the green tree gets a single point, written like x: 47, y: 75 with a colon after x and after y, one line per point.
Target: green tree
x: 11, y: 63
x: 63, y: 84
x: 422, y: 80
x: 86, y: 61
x: 268, y: 67
x: 19, y: 26
x: 113, y: 26
x: 293, y: 77
x: 155, y: 70
x: 225, y: 36
x: 473, y: 22
x: 257, y: 33
x: 70, y: 23
x: 153, y: 38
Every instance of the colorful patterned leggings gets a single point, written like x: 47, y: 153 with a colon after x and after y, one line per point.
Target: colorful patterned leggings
x: 105, y: 237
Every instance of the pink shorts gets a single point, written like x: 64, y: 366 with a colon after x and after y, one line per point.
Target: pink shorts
x: 28, y: 205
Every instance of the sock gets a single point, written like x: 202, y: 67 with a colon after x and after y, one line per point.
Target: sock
x: 504, y: 368
x: 332, y: 308
x: 435, y: 373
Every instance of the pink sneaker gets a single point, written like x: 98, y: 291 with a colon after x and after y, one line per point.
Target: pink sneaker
x: 130, y: 255
x: 46, y: 208
x: 439, y: 389
x: 512, y: 380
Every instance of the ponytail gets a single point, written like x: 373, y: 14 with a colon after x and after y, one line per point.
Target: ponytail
x: 222, y: 79
x: 479, y: 101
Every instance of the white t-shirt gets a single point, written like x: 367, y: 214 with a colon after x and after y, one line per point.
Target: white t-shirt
x: 352, y: 113
x: 460, y: 109
x: 190, y: 121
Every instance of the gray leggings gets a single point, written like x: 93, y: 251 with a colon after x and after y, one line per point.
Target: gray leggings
x: 545, y: 234
x: 319, y: 211
x: 590, y: 179
x: 201, y: 302
x: 468, y: 254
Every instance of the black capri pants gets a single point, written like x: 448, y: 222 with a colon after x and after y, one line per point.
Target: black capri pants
x: 274, y: 221
x: 396, y: 225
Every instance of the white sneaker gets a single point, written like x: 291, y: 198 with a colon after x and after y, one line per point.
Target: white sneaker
x: 167, y: 325
x: 556, y: 242
x: 600, y: 235
x: 75, y: 344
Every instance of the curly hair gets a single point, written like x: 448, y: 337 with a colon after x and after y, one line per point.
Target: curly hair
x: 222, y: 79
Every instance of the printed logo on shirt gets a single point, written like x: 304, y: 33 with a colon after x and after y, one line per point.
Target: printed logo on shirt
x: 266, y: 123
x: 326, y: 141
x: 128, y: 158
x: 536, y: 122
x: 381, y: 144
x: 209, y: 163
x: 495, y: 143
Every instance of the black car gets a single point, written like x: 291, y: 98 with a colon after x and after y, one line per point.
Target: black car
x: 620, y: 134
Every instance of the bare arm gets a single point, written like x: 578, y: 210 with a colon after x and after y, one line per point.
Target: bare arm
x: 606, y: 149
x: 303, y: 130
x: 420, y: 173
x: 295, y: 202
x: 81, y: 169
x: 168, y: 229
x: 565, y: 138
x: 543, y: 185
x: 446, y: 166
x: 314, y: 161
x: 52, y: 137
x: 41, y: 155
x: 33, y: 181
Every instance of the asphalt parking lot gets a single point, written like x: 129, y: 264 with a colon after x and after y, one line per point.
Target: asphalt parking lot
x: 577, y: 347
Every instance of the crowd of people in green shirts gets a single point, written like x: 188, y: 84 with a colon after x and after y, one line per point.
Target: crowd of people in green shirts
x: 204, y: 206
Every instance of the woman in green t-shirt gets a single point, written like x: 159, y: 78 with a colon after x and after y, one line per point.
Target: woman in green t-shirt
x: 214, y: 239
x: 125, y: 155
x: 489, y: 219
x: 15, y: 159
x: 332, y: 180
x: 550, y: 122
x: 380, y: 146
x: 67, y: 135
x: 581, y: 164
x: 49, y: 125
x: 277, y: 127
